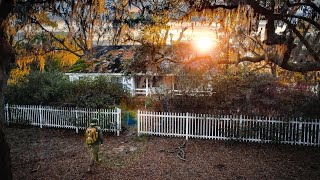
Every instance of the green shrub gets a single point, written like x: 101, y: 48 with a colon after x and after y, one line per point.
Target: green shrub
x: 37, y: 88
x: 250, y: 94
x: 54, y: 88
x: 101, y: 92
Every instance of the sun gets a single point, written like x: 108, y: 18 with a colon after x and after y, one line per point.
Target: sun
x: 204, y: 44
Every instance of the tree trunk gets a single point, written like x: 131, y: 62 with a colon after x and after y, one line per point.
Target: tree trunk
x: 7, y: 57
x: 5, y: 161
x: 273, y: 69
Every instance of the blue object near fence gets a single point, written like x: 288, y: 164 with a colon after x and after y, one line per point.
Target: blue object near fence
x: 130, y: 119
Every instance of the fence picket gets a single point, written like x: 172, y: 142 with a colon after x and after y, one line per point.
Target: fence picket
x: 175, y: 124
x: 318, y: 127
x: 144, y: 122
x: 65, y: 117
x: 207, y: 128
x: 187, y: 125
x: 201, y: 125
x: 153, y: 124
x: 244, y: 128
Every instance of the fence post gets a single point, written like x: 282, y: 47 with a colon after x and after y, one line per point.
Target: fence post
x: 76, y: 121
x: 147, y: 86
x: 118, y: 121
x: 187, y: 125
x: 7, y: 115
x: 300, y: 131
x: 138, y: 128
x: 240, y: 128
x: 40, y: 116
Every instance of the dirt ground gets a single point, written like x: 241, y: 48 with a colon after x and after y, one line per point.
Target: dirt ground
x: 60, y: 154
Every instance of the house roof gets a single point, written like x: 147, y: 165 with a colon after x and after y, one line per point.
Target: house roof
x: 105, y: 59
x: 117, y: 59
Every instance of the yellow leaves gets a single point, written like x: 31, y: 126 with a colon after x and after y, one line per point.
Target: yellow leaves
x: 152, y: 34
x: 124, y: 28
x: 207, y: 13
x: 16, y: 74
x: 101, y: 4
x: 233, y: 56
x: 26, y: 58
x: 228, y: 23
x: 43, y: 18
x: 41, y: 60
x: 98, y: 7
x: 23, y: 61
x: 66, y: 58
x: 242, y: 18
x: 22, y: 70
x: 238, y: 13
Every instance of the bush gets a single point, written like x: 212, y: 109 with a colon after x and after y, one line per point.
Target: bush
x: 37, y: 88
x: 54, y: 88
x: 101, y: 92
x: 250, y: 94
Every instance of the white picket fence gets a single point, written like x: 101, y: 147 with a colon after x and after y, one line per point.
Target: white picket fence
x: 63, y: 117
x: 242, y: 128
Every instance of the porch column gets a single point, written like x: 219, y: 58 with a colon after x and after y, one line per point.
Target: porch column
x: 133, y: 85
x: 147, y: 86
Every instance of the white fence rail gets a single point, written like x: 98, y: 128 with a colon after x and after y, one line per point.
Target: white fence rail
x: 259, y: 129
x: 63, y: 117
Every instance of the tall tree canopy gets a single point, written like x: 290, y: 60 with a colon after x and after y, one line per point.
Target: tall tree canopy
x: 295, y: 48
x: 279, y: 33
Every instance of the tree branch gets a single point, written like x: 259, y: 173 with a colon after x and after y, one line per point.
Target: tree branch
x: 56, y: 38
x: 317, y: 25
x: 310, y: 4
x: 296, y: 67
x: 303, y: 40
